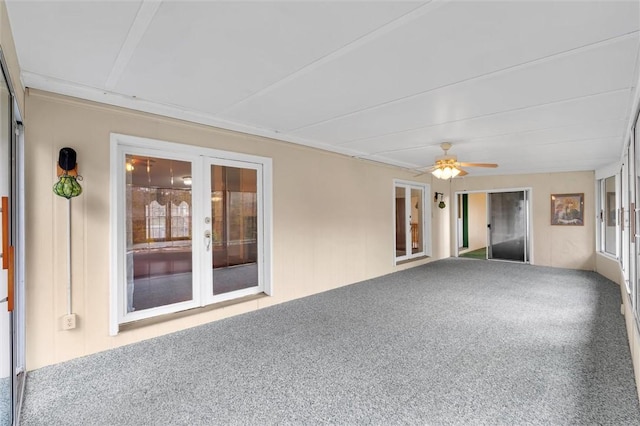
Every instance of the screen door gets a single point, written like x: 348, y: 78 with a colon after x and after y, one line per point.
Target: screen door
x: 508, y: 226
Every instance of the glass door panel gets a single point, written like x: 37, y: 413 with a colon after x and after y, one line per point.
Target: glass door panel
x: 409, y: 209
x: 158, y: 227
x: 508, y: 226
x: 234, y: 229
x: 417, y: 243
x: 8, y: 237
x: 610, y: 219
x: 401, y: 223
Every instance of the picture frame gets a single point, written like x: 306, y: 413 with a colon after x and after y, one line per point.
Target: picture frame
x: 567, y: 209
x: 611, y: 209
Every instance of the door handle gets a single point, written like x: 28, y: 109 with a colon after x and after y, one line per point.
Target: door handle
x: 632, y: 219
x: 207, y: 239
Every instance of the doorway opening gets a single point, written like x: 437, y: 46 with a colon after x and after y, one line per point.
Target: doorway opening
x: 494, y: 225
x: 472, y: 224
x: 411, y: 221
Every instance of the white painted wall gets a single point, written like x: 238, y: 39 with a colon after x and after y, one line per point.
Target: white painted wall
x: 477, y: 220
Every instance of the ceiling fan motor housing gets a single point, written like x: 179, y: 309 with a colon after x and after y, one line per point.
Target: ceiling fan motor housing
x: 446, y: 159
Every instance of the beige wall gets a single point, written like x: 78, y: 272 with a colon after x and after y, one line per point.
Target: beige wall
x: 441, y: 220
x: 477, y: 212
x: 558, y: 246
x: 332, y: 221
x: 316, y: 246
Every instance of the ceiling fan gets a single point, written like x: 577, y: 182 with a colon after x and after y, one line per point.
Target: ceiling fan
x: 448, y: 166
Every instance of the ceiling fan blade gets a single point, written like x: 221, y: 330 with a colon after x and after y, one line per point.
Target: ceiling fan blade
x: 462, y: 172
x: 492, y: 165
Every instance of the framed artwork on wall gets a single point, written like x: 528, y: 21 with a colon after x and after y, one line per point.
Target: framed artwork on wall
x: 567, y: 209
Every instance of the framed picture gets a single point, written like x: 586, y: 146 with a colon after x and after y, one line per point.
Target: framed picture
x: 567, y: 209
x: 611, y: 209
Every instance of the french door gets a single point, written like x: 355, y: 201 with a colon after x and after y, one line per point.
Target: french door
x: 412, y: 220
x: 192, y: 227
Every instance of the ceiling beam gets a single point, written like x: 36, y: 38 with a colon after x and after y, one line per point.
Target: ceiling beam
x: 141, y: 23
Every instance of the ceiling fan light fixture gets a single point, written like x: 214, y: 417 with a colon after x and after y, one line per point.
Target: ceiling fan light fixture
x: 446, y: 173
x: 447, y: 166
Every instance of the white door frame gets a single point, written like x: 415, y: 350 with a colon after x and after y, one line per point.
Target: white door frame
x: 426, y: 219
x: 529, y: 212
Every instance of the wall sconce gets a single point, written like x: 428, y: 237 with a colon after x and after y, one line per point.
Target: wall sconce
x: 439, y: 196
x: 67, y: 185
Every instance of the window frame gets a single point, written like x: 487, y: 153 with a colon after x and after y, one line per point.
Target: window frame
x: 602, y: 213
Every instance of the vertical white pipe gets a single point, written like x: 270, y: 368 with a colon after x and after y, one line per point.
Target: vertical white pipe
x: 69, y: 256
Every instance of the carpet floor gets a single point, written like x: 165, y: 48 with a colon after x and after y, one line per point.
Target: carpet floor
x: 454, y: 342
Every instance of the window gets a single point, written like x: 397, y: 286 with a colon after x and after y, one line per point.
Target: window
x: 156, y: 219
x: 190, y: 227
x: 608, y: 207
x: 412, y: 220
x: 180, y: 220
x: 634, y: 177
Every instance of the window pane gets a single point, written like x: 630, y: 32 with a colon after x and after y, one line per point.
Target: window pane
x: 508, y: 231
x: 610, y: 215
x: 401, y: 224
x: 6, y: 340
x: 416, y: 225
x: 158, y: 223
x: 234, y: 209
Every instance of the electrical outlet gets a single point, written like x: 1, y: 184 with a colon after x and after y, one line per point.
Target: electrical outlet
x: 69, y: 322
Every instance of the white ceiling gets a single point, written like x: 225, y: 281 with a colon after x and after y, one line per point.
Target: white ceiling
x: 536, y: 86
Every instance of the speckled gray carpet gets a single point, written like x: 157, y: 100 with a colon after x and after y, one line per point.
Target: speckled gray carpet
x: 456, y: 342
